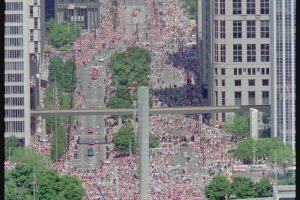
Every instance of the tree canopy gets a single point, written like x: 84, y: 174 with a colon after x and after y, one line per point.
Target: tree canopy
x: 61, y: 35
x: 11, y: 143
x: 153, y: 141
x: 238, y: 125
x: 218, y: 188
x: 264, y: 148
x: 122, y: 137
x: 243, y: 187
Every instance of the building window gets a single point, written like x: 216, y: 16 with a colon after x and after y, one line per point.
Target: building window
x: 222, y: 29
x: 216, y: 7
x: 31, y: 34
x: 223, y: 82
x: 216, y: 98
x: 216, y: 53
x: 251, y: 82
x: 237, y: 53
x: 223, y: 53
x: 237, y: 29
x: 222, y: 71
x: 265, y: 52
x: 31, y: 11
x: 250, y: 6
x: 264, y: 7
x: 237, y: 98
x: 253, y: 71
x: 265, y: 82
x: 237, y: 82
x: 235, y: 71
x: 249, y: 71
x: 36, y: 47
x: 265, y: 29
x: 216, y: 29
x: 223, y: 98
x: 251, y: 53
x: 240, y: 71
x: 251, y: 98
x: 237, y: 7
x: 263, y: 71
x: 265, y: 97
x: 216, y: 71
x: 216, y: 82
x: 267, y: 71
x: 222, y: 7
x: 251, y: 29
x: 35, y: 22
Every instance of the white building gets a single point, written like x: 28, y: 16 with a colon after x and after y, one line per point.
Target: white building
x: 23, y: 39
x: 235, y: 52
x: 283, y: 59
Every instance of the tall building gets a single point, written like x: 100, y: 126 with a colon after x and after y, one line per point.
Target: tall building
x: 283, y: 73
x: 49, y: 9
x: 23, y: 47
x: 235, y: 52
x: 85, y: 13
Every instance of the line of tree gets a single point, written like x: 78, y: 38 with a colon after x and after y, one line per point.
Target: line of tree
x: 130, y: 70
x: 223, y: 187
x: 31, y: 177
x: 62, y: 35
x: 238, y: 125
x: 190, y: 8
x: 125, y: 134
x: 265, y: 149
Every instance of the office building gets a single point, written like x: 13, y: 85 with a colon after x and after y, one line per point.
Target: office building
x: 85, y: 13
x: 235, y: 52
x: 23, y: 53
x: 49, y: 9
x: 283, y: 74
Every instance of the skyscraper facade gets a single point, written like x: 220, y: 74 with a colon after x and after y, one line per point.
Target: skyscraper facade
x: 283, y: 73
x: 23, y: 52
x: 235, y: 52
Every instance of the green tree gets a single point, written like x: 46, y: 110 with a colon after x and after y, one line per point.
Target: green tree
x: 238, y: 125
x: 61, y: 35
x: 72, y: 188
x: 61, y: 139
x: 243, y: 187
x: 263, y: 188
x: 23, y: 175
x: 122, y: 137
x: 218, y: 188
x: 244, y: 149
x: 153, y: 141
x: 11, y: 143
x: 284, y: 156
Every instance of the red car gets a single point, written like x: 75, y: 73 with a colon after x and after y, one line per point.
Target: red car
x: 91, y: 142
x: 94, y: 73
x: 90, y: 131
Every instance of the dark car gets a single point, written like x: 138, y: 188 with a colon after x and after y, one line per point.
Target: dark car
x: 90, y: 152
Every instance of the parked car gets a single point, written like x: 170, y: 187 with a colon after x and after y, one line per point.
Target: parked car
x: 90, y: 152
x: 90, y: 131
x: 91, y: 142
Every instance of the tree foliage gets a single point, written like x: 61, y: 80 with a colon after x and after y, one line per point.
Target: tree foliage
x: 218, y: 188
x: 11, y: 143
x: 238, y: 125
x: 153, y: 141
x: 122, y: 137
x: 130, y: 70
x: 61, y: 35
x: 190, y: 7
x: 263, y: 188
x: 61, y: 145
x: 243, y: 187
x: 264, y: 148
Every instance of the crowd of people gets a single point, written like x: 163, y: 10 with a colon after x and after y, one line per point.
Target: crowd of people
x: 185, y: 160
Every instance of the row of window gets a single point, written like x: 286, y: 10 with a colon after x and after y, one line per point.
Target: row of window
x: 238, y: 82
x: 14, y: 6
x: 13, y: 17
x: 238, y: 53
x: 237, y: 29
x: 14, y: 66
x: 14, y: 77
x: 14, y: 113
x: 251, y: 82
x: 13, y: 30
x: 13, y: 42
x: 237, y: 7
x: 17, y: 126
x: 238, y: 97
x: 13, y: 53
x: 14, y: 101
x: 16, y: 89
x: 251, y: 71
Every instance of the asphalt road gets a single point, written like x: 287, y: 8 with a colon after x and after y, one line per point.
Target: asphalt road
x: 93, y: 96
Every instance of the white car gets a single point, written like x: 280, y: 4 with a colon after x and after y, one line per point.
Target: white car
x: 101, y: 59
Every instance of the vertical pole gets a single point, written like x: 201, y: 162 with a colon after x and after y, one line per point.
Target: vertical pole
x: 143, y: 114
x: 33, y: 185
x: 130, y: 147
x: 55, y: 124
x: 254, y: 152
x: 275, y: 167
x: 9, y: 153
